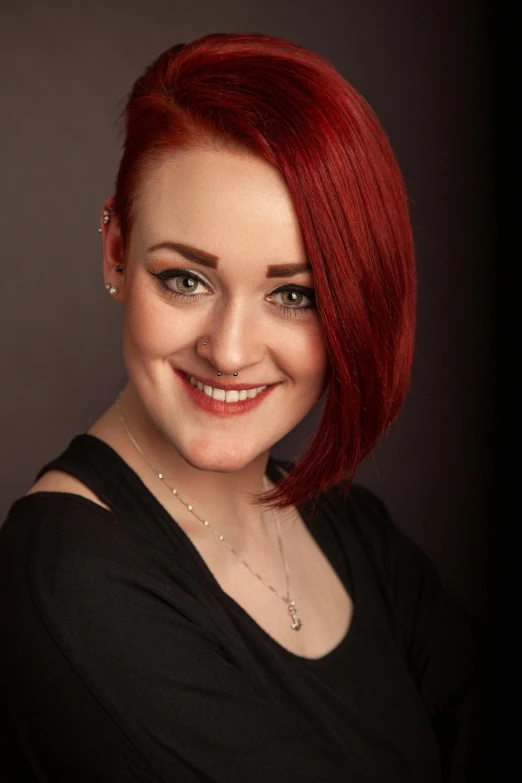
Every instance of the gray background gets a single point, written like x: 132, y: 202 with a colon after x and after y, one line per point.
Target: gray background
x: 65, y: 70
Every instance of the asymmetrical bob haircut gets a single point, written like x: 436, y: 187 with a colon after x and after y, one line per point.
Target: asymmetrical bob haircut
x: 291, y: 107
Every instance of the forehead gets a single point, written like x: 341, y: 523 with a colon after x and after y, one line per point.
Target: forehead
x: 219, y: 200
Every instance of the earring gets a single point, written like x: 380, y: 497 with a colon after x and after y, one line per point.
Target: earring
x: 205, y: 343
x: 111, y: 289
x: 106, y: 219
x: 118, y: 268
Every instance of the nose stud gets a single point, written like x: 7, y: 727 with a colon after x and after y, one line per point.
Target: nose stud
x: 220, y: 373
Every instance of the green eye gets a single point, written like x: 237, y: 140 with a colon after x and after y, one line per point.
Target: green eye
x: 186, y: 285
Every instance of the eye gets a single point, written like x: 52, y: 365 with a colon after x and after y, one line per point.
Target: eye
x: 180, y: 282
x: 294, y: 298
x: 185, y: 284
x: 290, y: 298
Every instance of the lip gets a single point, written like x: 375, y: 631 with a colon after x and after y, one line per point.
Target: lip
x: 220, y: 407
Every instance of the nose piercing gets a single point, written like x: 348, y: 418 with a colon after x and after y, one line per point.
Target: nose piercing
x: 220, y: 373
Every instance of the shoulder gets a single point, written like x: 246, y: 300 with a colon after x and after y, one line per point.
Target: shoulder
x: 86, y: 569
x: 368, y: 516
x: 57, y: 542
x: 52, y: 532
x: 401, y: 570
x: 57, y: 481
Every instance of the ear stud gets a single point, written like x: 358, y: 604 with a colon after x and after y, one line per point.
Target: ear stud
x: 106, y: 218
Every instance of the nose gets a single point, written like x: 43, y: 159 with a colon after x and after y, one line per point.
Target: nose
x: 234, y: 338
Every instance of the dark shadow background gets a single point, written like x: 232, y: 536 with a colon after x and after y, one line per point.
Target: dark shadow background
x: 65, y: 69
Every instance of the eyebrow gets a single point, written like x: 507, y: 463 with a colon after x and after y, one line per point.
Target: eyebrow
x: 205, y: 258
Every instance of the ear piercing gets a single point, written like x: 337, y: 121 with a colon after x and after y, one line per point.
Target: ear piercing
x: 111, y: 289
x: 106, y: 218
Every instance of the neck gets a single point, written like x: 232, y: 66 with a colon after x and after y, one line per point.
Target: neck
x: 222, y: 498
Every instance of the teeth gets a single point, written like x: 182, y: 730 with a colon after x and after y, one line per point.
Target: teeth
x: 233, y: 395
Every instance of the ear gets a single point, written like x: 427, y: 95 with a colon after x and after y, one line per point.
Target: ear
x: 113, y: 256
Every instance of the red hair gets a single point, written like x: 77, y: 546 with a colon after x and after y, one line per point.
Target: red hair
x: 291, y: 107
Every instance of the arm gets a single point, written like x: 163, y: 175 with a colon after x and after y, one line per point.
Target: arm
x: 117, y: 669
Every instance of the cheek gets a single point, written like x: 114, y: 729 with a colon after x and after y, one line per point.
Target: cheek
x: 150, y: 327
x: 306, y: 358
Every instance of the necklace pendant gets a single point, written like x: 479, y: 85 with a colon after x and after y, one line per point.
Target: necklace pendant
x: 296, y: 622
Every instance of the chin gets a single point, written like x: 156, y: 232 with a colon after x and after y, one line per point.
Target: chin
x: 211, y: 454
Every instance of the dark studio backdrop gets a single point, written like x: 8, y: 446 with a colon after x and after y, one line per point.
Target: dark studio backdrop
x: 65, y: 69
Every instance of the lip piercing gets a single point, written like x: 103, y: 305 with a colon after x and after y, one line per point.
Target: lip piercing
x: 220, y: 373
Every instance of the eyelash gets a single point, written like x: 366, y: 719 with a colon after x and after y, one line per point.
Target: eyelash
x: 287, y: 310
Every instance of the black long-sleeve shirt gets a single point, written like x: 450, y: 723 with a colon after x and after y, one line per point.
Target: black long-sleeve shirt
x: 122, y: 659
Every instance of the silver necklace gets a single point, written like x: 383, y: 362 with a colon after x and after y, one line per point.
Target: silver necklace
x: 295, y: 621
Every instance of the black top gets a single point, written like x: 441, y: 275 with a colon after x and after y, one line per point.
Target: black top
x: 123, y: 659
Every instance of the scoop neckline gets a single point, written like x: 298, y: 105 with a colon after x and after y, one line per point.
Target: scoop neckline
x: 274, y: 475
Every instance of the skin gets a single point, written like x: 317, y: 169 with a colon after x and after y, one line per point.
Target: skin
x: 236, y: 207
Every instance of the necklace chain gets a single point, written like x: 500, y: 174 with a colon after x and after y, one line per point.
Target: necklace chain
x: 296, y: 622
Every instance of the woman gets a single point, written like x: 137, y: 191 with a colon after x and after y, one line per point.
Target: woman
x: 178, y: 605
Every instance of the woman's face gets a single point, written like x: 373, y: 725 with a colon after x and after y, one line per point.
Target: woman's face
x: 216, y: 255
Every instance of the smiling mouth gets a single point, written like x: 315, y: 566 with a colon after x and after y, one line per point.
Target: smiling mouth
x: 225, y: 395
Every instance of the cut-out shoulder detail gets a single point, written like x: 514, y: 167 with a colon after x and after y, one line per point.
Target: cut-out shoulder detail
x: 57, y: 481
